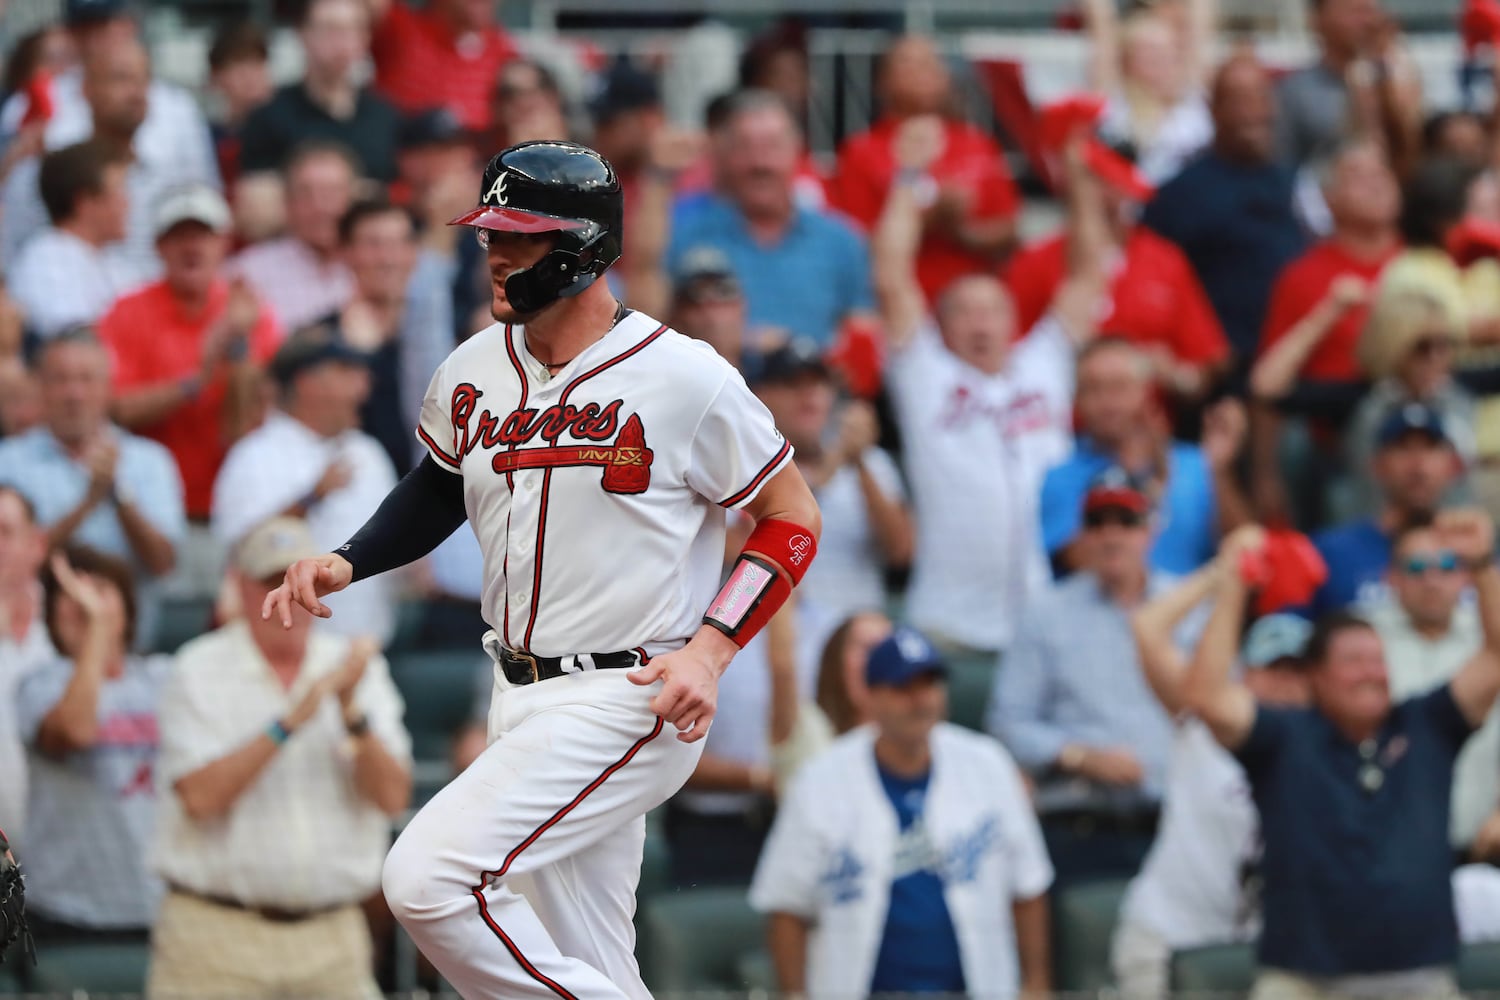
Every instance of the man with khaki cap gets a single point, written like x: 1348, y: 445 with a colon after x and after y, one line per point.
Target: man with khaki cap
x: 283, y: 757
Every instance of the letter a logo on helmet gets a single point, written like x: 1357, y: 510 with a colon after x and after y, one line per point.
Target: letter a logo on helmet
x: 496, y: 194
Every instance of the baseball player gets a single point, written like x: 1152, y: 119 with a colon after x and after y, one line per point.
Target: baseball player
x: 595, y: 454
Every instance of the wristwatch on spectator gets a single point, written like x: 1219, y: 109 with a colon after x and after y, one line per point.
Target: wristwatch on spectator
x: 357, y: 725
x: 1071, y: 757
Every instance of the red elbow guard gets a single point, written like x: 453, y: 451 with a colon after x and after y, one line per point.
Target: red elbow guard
x: 755, y: 590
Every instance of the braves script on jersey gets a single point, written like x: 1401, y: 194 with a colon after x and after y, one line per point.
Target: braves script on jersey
x: 598, y: 496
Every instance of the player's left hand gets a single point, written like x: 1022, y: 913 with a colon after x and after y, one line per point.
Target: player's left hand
x: 690, y: 695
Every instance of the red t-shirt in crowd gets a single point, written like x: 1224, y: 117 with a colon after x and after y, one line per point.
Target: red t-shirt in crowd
x: 152, y: 341
x: 1154, y: 295
x: 420, y: 64
x: 1302, y: 285
x: 970, y: 161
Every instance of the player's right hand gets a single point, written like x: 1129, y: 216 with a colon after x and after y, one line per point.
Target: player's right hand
x: 306, y: 581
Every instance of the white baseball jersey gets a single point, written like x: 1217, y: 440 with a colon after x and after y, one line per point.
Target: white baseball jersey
x: 977, y: 447
x: 599, y: 495
x: 832, y: 854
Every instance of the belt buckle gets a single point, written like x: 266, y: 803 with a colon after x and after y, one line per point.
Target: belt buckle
x: 527, y: 658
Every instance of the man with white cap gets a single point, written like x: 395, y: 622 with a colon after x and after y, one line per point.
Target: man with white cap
x: 187, y: 351
x: 285, y: 757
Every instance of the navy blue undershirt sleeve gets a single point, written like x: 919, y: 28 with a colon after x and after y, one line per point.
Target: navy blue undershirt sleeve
x: 415, y: 517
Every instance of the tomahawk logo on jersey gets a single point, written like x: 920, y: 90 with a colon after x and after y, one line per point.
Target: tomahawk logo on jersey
x: 666, y: 434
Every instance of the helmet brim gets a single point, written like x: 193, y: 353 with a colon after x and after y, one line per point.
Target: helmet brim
x: 513, y: 220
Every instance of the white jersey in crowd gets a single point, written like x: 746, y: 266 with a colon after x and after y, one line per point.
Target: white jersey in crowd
x: 849, y: 574
x: 278, y: 464
x: 831, y: 853
x: 599, y: 496
x: 18, y: 660
x: 977, y: 447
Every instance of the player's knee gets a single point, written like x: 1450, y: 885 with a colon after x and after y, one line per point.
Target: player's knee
x: 411, y: 882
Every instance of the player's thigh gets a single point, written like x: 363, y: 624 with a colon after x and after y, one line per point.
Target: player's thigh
x: 553, y: 785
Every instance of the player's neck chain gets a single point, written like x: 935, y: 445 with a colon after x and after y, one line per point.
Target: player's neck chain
x: 620, y: 313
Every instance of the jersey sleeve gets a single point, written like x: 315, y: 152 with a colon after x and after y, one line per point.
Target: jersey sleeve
x: 736, y: 449
x: 435, y: 425
x: 786, y: 877
x: 1026, y: 852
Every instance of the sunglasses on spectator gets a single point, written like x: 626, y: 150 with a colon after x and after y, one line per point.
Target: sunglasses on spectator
x: 1416, y: 565
x: 1117, y: 516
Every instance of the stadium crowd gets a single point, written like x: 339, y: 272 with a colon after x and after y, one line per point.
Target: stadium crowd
x: 1182, y: 511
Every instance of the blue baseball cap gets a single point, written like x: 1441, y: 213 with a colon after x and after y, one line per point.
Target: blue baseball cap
x: 1413, y: 418
x: 904, y: 654
x: 1275, y: 637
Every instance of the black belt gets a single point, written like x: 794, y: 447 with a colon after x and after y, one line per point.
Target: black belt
x: 521, y: 667
x: 274, y: 914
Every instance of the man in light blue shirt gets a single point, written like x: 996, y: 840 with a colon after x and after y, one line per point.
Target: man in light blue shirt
x: 1072, y: 705
x: 804, y: 271
x: 91, y: 482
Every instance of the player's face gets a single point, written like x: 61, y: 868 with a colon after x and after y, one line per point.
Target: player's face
x: 1415, y: 472
x: 1351, y: 686
x: 977, y: 321
x: 508, y: 253
x: 907, y: 713
x: 75, y: 390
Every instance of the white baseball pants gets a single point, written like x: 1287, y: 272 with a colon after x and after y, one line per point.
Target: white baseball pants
x: 518, y: 879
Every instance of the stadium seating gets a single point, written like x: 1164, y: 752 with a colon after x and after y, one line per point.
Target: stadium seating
x: 438, y: 687
x: 181, y: 619
x: 1083, y: 923
x: 105, y: 968
x: 1217, y: 969
x: 697, y: 940
x: 969, y: 682
x: 1479, y: 967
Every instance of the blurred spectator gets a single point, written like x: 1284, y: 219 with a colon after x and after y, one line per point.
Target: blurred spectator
x: 1195, y: 492
x: 171, y: 136
x: 529, y: 105
x: 1308, y: 359
x: 716, y: 825
x: 1199, y: 883
x: 804, y: 270
x: 89, y: 719
x: 263, y: 728
x: 1230, y: 210
x: 1408, y: 347
x: 430, y: 146
x: 1354, y: 795
x: 1315, y: 101
x: 41, y: 55
x: 239, y: 78
x: 327, y: 104
x: 984, y: 417
x: 708, y: 304
x: 309, y: 459
x: 401, y: 318
x: 447, y: 54
x: 1429, y: 632
x: 302, y: 276
x: 776, y: 61
x: 969, y: 204
x: 62, y: 276
x: 906, y: 859
x: 24, y: 645
x: 186, y: 349
x: 856, y: 482
x: 1151, y: 67
x: 842, y: 695
x: 626, y: 114
x: 1413, y: 467
x: 116, y: 83
x: 1155, y: 299
x: 92, y: 483
x: 1070, y: 701
x: 1459, y: 135
x: 20, y: 399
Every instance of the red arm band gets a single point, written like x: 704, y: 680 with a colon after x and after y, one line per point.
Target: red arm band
x: 756, y: 589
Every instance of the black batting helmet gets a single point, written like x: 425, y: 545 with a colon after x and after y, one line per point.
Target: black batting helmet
x: 546, y: 187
